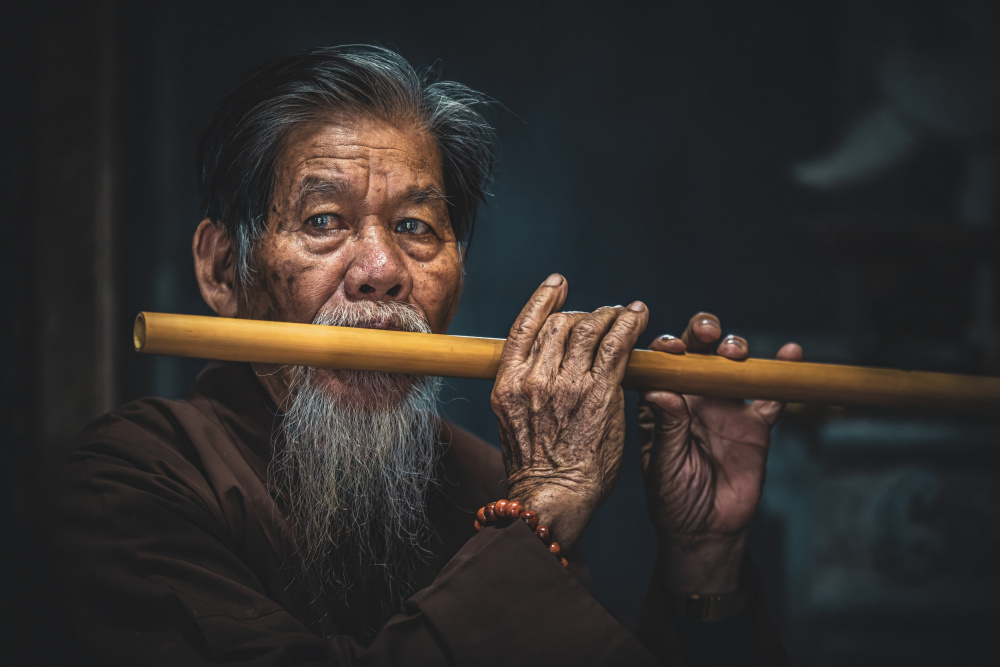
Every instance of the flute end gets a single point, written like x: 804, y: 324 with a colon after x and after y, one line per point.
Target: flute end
x: 139, y: 332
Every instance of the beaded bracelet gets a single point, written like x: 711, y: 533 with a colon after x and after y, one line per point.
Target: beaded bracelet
x: 511, y: 509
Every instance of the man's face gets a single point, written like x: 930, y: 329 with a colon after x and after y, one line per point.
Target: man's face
x: 357, y: 215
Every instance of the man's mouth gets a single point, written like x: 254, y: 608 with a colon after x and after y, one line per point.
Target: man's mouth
x: 388, y: 322
x: 380, y: 323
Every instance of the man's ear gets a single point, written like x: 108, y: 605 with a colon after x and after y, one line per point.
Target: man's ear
x: 214, y: 267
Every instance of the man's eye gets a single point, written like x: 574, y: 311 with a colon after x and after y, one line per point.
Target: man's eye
x: 322, y: 221
x: 412, y: 226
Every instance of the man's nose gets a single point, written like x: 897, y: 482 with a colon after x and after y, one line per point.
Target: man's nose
x: 378, y: 271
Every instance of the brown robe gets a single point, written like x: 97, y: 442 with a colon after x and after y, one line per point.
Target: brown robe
x: 168, y: 549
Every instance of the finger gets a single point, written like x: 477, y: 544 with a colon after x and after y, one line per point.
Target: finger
x: 790, y: 352
x: 617, y: 344
x: 668, y: 343
x: 734, y: 347
x: 550, y: 344
x: 669, y: 407
x: 702, y: 331
x: 548, y: 298
x: 587, y: 335
x: 663, y: 417
x: 771, y: 410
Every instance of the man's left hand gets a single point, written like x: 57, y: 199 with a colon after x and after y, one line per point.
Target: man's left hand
x: 703, y: 460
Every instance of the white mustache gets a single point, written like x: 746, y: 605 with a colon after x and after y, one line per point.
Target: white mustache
x: 375, y: 315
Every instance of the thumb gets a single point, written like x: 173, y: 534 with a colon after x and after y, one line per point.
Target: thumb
x: 664, y: 421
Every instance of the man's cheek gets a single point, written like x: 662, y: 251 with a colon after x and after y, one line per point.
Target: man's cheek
x: 295, y: 291
x: 440, y: 291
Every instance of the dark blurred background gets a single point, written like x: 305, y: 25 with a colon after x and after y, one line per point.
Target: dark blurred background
x: 825, y: 172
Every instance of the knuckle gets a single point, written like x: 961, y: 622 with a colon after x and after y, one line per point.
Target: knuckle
x: 535, y: 384
x: 524, y: 327
x: 504, y: 394
x: 628, y: 329
x: 614, y: 342
x: 589, y: 328
x: 555, y: 324
x: 608, y: 311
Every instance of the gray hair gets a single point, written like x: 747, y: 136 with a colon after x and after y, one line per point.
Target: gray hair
x: 240, y: 149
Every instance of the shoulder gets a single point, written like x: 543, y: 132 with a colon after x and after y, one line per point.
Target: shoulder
x: 144, y: 433
x: 149, y: 445
x: 223, y: 429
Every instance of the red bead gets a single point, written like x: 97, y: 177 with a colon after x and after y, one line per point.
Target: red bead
x: 503, y: 508
x: 500, y: 509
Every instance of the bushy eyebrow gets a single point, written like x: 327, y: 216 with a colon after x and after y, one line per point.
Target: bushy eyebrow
x: 315, y: 185
x: 424, y: 195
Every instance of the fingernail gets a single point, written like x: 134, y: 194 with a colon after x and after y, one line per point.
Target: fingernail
x: 708, y: 322
x: 637, y: 306
x: 555, y: 280
x: 733, y: 340
x: 666, y: 337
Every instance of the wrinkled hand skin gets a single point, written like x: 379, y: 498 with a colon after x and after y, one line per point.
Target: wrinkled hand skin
x: 704, y: 461
x: 560, y: 406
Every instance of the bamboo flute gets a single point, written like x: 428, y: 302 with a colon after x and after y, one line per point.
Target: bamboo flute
x: 230, y: 339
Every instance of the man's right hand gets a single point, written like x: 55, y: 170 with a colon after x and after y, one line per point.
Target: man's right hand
x: 559, y: 402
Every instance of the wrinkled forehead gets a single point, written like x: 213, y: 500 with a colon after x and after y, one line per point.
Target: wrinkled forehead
x: 344, y: 147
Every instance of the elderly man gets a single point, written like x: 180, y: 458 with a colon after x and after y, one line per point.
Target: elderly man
x: 300, y: 516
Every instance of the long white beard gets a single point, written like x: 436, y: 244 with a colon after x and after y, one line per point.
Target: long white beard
x: 355, y: 473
